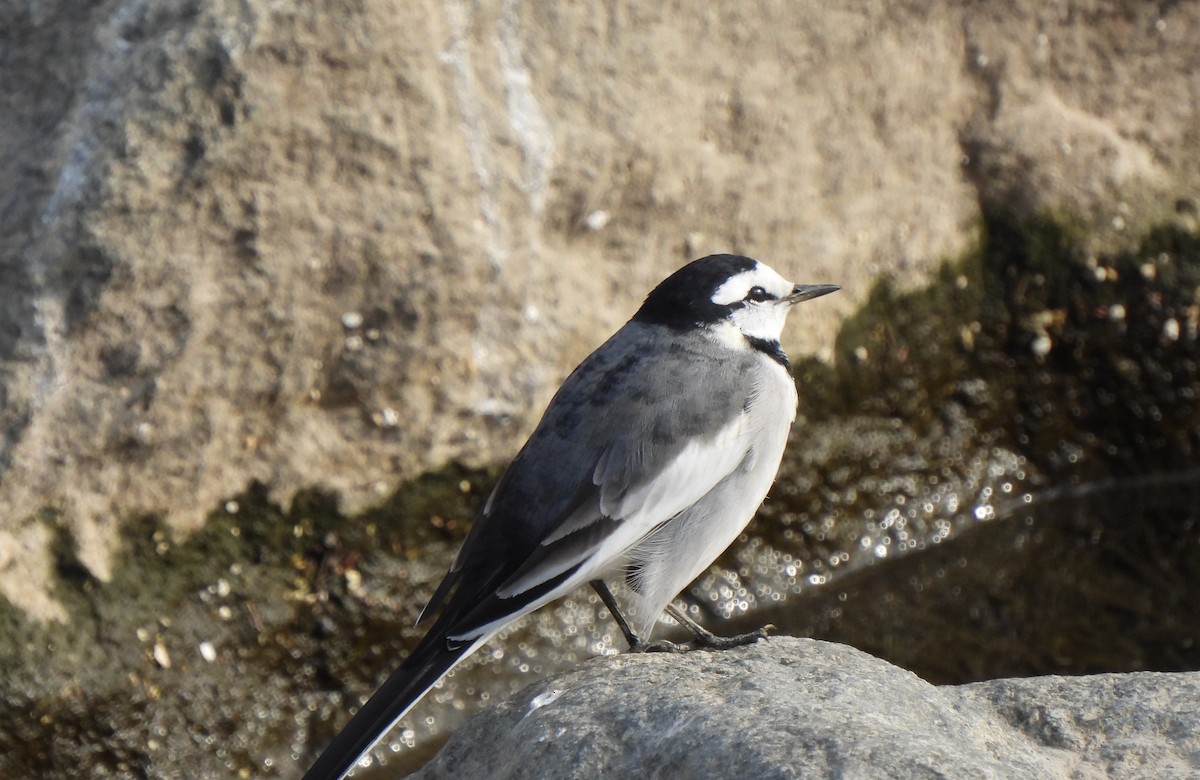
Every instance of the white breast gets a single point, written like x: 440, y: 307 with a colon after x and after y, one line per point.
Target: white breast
x: 669, y: 559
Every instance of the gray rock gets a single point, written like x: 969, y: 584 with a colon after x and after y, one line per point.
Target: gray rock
x: 790, y: 708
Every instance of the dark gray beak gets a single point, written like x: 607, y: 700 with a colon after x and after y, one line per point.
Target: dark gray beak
x: 806, y: 292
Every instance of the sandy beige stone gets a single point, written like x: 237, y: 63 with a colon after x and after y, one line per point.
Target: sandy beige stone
x: 334, y: 246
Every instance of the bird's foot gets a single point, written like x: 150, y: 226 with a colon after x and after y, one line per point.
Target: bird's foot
x: 714, y: 642
x: 704, y: 641
x: 662, y: 646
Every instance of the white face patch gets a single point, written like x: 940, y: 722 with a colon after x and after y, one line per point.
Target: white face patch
x: 736, y: 288
x: 758, y: 319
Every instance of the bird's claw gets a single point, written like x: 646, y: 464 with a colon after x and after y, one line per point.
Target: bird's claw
x: 707, y: 641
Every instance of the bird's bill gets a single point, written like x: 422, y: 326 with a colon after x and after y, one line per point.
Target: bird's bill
x: 806, y: 292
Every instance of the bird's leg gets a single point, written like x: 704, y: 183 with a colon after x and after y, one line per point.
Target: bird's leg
x: 703, y: 637
x: 707, y: 639
x: 636, y: 643
x: 607, y: 597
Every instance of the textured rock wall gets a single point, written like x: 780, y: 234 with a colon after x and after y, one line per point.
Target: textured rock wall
x: 333, y: 245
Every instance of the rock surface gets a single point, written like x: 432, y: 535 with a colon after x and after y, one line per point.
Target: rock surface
x: 334, y: 246
x: 791, y: 708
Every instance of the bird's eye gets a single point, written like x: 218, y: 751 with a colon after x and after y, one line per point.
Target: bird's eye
x: 758, y: 295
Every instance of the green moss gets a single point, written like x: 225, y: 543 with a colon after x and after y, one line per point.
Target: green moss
x: 122, y: 687
x: 1065, y: 356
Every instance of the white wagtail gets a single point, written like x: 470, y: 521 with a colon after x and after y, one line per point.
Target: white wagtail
x: 651, y: 459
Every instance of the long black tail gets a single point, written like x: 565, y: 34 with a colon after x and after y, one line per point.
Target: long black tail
x: 394, y: 698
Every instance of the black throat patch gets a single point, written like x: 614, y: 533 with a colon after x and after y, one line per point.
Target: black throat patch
x: 771, y: 349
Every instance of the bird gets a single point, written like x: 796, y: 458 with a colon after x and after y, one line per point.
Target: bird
x: 649, y: 461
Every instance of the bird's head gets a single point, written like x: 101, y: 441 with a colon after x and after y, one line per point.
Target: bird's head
x: 724, y: 293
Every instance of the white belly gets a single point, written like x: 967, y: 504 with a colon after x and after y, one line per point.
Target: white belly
x: 668, y: 560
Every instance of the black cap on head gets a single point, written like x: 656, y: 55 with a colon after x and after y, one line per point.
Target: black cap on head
x: 684, y: 299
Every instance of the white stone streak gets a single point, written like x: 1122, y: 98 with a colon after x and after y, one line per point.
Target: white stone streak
x: 475, y: 130
x: 526, y: 122
x: 524, y: 113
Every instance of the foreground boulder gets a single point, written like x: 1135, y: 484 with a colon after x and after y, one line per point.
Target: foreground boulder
x: 801, y: 708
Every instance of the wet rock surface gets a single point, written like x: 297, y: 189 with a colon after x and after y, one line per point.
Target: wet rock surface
x: 791, y: 708
x: 1064, y: 474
